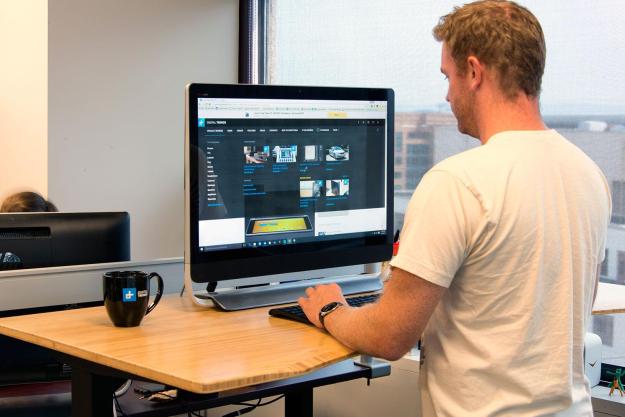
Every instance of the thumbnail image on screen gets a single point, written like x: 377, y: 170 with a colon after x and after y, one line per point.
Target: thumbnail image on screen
x: 278, y: 225
x: 310, y: 189
x: 313, y: 153
x: 338, y: 153
x: 339, y: 187
x: 256, y: 154
x: 284, y: 154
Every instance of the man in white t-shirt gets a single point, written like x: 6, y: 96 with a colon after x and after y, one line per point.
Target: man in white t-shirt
x: 501, y: 246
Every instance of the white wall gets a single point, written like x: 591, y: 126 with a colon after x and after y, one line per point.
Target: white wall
x: 23, y: 96
x: 117, y: 72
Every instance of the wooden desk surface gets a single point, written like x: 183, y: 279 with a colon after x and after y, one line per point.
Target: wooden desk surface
x: 610, y: 299
x: 196, y: 349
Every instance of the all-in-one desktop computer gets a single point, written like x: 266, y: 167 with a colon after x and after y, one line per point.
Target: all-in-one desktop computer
x: 281, y: 179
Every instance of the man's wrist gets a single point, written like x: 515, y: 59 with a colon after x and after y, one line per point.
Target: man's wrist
x: 327, y: 309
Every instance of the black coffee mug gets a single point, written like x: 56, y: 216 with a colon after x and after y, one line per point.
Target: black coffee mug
x: 126, y: 295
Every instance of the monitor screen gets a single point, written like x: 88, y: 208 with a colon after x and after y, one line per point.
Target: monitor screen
x: 36, y: 240
x: 284, y: 179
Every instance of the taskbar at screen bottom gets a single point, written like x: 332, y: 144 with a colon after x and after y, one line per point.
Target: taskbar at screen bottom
x: 267, y: 241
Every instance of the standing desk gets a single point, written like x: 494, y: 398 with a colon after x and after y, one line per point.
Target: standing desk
x: 194, y: 349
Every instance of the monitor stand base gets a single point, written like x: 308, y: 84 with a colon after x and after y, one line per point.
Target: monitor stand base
x: 283, y: 293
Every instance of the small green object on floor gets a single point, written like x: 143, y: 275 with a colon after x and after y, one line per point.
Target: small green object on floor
x: 616, y: 383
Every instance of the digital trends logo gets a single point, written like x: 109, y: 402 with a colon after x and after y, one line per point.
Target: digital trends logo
x: 201, y: 122
x: 129, y: 295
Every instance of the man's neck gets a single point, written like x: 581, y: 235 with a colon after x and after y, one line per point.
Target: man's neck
x: 501, y: 115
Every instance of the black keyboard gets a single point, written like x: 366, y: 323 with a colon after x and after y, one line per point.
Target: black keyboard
x: 295, y: 312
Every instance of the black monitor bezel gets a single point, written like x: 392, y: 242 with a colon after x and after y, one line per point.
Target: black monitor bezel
x: 250, y: 262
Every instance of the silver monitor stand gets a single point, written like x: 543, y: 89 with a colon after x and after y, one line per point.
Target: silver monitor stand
x: 281, y: 292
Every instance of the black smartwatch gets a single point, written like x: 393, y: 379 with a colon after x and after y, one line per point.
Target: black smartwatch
x: 327, y: 309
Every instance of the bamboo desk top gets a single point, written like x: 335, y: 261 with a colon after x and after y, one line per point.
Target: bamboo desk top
x: 201, y: 350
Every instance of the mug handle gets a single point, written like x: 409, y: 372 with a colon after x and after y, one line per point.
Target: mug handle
x: 159, y: 291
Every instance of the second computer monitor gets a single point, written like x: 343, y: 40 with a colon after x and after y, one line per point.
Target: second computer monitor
x: 37, y: 240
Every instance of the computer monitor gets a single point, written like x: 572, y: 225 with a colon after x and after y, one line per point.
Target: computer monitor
x: 281, y: 179
x: 35, y: 240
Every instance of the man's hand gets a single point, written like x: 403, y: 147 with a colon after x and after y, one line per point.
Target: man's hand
x: 317, y: 297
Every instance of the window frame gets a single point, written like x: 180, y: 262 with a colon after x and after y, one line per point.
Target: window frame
x: 252, y: 42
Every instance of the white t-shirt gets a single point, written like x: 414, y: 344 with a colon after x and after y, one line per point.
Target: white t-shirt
x: 515, y: 229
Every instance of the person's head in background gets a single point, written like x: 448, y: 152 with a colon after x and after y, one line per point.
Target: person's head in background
x: 494, y: 57
x: 26, y: 201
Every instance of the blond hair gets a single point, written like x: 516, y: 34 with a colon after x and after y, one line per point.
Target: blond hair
x: 501, y: 34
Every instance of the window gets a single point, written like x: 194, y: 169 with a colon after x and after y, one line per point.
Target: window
x: 618, y: 202
x: 620, y: 269
x: 604, y: 265
x: 418, y: 162
x: 398, y: 142
x: 414, y: 175
x: 389, y: 44
x: 423, y: 149
x: 604, y: 327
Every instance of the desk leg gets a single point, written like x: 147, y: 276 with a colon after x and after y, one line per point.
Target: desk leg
x: 92, y: 395
x: 299, y: 403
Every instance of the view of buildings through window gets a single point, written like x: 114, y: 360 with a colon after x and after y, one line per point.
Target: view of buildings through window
x: 382, y: 44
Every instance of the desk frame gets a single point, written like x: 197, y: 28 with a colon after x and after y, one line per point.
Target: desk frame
x: 93, y: 386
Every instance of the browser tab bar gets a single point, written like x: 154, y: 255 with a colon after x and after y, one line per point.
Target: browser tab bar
x: 212, y: 108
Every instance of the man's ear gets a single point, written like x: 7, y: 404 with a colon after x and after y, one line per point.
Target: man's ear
x: 475, y: 72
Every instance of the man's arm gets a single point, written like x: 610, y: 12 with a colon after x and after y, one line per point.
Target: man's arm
x: 386, y: 329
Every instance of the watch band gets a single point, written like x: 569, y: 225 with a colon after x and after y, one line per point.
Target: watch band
x: 327, y: 309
